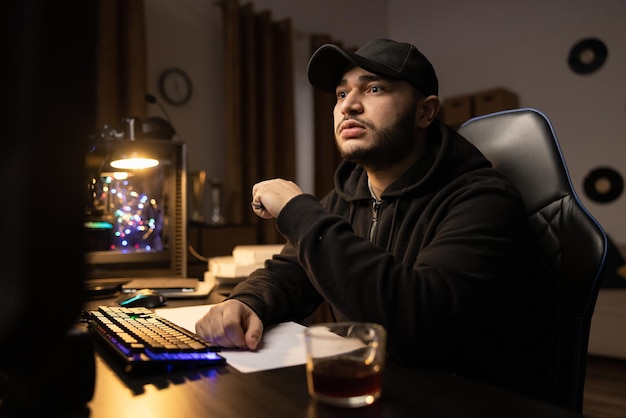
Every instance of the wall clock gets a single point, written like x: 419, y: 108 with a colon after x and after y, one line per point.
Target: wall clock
x: 175, y: 86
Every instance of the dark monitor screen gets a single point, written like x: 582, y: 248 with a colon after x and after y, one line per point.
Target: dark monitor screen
x: 48, y: 112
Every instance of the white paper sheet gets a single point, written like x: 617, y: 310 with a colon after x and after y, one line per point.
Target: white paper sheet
x: 282, y: 345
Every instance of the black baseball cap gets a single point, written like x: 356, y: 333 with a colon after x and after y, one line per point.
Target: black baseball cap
x: 382, y: 56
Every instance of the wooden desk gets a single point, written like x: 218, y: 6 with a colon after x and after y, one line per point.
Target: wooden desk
x: 223, y: 392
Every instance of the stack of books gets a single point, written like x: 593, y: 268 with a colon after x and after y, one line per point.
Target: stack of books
x: 231, y: 269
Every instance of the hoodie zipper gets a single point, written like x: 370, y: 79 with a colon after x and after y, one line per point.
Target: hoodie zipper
x: 375, y: 207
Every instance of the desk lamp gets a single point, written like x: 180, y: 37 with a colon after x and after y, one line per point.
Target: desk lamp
x: 132, y: 153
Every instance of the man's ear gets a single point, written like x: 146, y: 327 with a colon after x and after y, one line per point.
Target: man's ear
x: 430, y: 110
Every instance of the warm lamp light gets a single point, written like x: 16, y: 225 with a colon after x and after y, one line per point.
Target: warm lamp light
x: 132, y: 156
x: 134, y: 161
x: 132, y: 148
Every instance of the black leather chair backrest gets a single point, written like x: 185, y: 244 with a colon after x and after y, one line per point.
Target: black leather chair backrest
x: 521, y: 143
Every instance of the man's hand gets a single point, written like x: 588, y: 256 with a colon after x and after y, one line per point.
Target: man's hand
x: 231, y: 324
x: 269, y: 197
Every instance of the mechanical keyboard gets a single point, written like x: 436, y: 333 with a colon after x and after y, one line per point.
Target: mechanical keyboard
x: 144, y: 340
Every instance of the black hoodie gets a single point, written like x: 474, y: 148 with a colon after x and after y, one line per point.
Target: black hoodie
x: 447, y: 268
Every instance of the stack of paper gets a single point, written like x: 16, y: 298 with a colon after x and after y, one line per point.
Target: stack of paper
x: 234, y: 268
x: 255, y: 254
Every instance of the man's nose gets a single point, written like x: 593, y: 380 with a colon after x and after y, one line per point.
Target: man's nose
x: 352, y: 103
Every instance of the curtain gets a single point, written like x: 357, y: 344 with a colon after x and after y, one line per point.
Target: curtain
x: 327, y: 157
x: 121, y: 57
x: 260, y: 127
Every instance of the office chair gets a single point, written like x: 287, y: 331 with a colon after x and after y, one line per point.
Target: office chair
x: 522, y: 145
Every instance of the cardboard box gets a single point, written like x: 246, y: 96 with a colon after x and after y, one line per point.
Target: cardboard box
x: 495, y: 100
x: 457, y: 110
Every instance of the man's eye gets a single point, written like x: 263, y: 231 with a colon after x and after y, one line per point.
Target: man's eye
x: 341, y: 94
x: 376, y: 89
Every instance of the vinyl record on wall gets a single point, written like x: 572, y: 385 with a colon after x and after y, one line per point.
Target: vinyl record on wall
x: 603, y: 184
x: 587, y: 56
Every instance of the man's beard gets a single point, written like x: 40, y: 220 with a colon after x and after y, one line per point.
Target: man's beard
x: 390, y: 145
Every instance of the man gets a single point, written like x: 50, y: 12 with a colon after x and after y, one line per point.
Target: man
x: 420, y: 235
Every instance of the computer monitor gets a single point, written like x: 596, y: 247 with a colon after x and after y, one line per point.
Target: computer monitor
x: 49, y: 108
x: 136, y: 220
